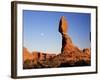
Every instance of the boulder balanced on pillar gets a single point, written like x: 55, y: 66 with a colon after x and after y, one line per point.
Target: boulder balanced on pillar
x: 67, y: 45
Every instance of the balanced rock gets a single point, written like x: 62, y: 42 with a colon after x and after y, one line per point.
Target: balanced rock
x: 67, y: 45
x: 70, y: 54
x: 63, y: 26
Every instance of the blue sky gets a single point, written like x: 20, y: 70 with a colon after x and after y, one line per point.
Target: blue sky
x: 40, y: 30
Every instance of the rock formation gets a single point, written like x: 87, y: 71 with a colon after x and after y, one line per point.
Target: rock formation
x: 67, y: 45
x: 70, y: 54
x: 36, y: 59
x: 63, y: 25
x: 27, y: 54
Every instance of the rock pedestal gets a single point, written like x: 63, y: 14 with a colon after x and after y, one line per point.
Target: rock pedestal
x: 67, y: 45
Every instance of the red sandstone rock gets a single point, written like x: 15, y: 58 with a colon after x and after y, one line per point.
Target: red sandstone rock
x: 26, y: 54
x: 63, y: 25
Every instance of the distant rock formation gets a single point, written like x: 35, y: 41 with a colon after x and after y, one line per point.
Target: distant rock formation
x: 34, y: 59
x: 87, y: 50
x: 36, y: 55
x: 70, y: 54
x: 27, y: 54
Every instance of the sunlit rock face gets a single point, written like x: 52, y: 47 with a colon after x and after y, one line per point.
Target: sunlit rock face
x: 63, y: 25
x: 26, y: 54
